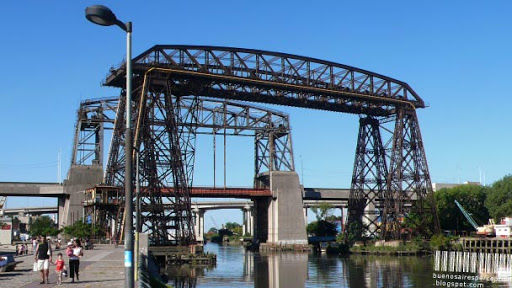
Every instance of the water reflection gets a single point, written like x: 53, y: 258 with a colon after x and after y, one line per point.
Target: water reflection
x: 185, y: 276
x: 281, y: 270
x: 473, y: 267
x: 238, y: 268
x: 387, y: 271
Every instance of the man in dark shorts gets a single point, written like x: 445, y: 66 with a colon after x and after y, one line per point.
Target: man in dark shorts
x: 43, y: 258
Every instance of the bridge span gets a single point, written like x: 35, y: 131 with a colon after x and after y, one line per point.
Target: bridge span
x: 32, y: 189
x: 248, y: 210
x: 31, y: 211
x: 311, y: 197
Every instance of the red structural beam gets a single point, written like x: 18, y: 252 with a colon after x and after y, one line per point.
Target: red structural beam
x: 210, y: 192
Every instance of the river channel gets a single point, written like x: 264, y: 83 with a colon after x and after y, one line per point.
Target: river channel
x: 239, y: 268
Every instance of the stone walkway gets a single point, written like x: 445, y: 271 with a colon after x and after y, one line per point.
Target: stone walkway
x: 101, y: 267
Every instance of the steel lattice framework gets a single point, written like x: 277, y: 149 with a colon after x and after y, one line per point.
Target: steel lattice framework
x: 196, y: 115
x: 92, y: 117
x: 284, y: 79
x: 368, y: 179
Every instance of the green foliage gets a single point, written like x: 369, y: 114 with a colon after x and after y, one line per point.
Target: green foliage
x: 321, y: 228
x: 217, y: 238
x: 322, y: 211
x: 471, y: 197
x: 213, y: 230
x: 499, y: 198
x: 343, y: 244
x: 441, y: 242
x: 81, y: 230
x: 354, y: 233
x: 234, y: 227
x: 43, y: 225
x: 417, y: 246
x: 420, y: 224
x: 16, y: 222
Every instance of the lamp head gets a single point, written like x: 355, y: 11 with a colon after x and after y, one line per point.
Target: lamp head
x: 102, y: 15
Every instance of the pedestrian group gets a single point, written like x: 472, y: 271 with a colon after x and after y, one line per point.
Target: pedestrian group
x: 42, y: 251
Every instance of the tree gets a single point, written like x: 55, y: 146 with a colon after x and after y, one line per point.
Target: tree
x: 499, y: 198
x: 322, y: 211
x: 234, y: 227
x: 321, y: 228
x: 471, y: 197
x: 44, y: 225
x: 81, y: 230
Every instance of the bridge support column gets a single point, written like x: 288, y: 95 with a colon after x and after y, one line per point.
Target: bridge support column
x: 305, y: 210
x: 371, y: 217
x: 80, y: 177
x: 247, y: 221
x: 251, y: 222
x: 198, y: 215
x: 285, y: 215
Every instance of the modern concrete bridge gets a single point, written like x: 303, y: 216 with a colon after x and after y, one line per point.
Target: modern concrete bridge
x: 34, y: 189
x: 248, y: 210
x: 70, y: 195
x: 31, y: 211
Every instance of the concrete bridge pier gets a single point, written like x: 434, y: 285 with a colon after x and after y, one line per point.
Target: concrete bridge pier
x: 80, y: 177
x: 280, y: 219
x: 305, y: 210
x: 370, y: 216
x: 248, y: 221
x: 198, y: 215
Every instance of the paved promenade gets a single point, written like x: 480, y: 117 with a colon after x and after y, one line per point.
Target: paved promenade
x: 101, y: 267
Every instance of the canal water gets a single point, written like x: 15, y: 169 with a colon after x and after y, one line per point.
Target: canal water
x: 239, y: 268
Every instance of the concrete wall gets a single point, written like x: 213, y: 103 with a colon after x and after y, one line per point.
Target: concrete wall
x: 285, y: 214
x: 79, y: 179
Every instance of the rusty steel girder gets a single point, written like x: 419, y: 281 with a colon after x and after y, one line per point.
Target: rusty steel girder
x: 271, y: 77
x: 291, y: 80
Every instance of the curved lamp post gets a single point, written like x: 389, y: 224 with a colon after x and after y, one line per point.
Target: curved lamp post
x: 102, y: 15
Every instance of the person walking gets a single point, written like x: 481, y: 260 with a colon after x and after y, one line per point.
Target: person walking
x: 43, y: 258
x: 74, y: 260
x: 34, y: 245
x: 59, y: 268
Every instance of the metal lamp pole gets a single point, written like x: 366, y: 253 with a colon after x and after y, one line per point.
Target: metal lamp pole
x: 102, y: 15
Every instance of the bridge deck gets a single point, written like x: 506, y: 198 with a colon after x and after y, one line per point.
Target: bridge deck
x: 34, y: 189
x: 221, y: 192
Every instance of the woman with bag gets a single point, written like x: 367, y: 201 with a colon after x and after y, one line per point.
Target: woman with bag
x: 42, y: 258
x: 76, y: 252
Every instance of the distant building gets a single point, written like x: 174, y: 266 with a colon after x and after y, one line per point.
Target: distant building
x: 439, y: 186
x: 5, y: 231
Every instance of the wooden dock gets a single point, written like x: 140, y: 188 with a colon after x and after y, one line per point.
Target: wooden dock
x: 486, y: 245
x: 178, y: 255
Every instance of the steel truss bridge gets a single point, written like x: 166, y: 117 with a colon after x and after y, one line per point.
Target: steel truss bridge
x: 182, y: 91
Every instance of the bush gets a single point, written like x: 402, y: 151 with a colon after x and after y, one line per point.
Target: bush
x: 43, y: 225
x: 321, y: 228
x: 440, y: 242
x: 81, y: 230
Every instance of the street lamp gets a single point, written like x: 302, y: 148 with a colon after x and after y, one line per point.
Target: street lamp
x: 101, y: 15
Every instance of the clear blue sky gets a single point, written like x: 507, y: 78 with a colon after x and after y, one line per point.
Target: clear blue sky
x: 455, y: 55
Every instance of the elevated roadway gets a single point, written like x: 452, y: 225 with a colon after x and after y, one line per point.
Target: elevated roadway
x: 31, y: 210
x: 32, y: 189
